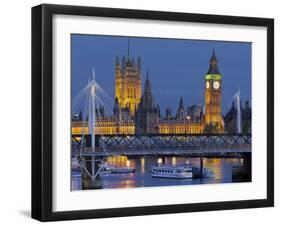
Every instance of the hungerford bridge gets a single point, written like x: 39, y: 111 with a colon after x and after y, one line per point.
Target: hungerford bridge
x: 152, y: 144
x: 163, y: 144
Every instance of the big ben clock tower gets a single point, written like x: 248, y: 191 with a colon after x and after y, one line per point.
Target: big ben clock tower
x: 213, y: 94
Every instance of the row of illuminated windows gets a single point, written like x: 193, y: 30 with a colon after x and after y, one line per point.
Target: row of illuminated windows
x: 180, y: 129
x: 105, y: 130
x: 131, y: 93
x: 163, y: 171
x: 115, y: 130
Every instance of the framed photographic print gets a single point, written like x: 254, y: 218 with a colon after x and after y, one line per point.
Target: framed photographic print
x: 146, y: 112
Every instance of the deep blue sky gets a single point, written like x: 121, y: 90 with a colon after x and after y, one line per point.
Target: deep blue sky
x: 176, y: 67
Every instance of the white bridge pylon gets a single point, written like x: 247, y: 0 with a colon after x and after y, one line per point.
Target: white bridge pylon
x: 92, y: 108
x: 238, y: 109
x: 92, y: 121
x: 93, y: 97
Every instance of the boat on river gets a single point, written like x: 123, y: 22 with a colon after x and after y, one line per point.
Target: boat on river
x: 178, y: 172
x: 186, y: 171
x: 116, y: 170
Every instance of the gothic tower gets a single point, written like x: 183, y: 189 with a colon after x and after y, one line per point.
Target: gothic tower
x: 213, y: 93
x: 148, y: 114
x: 128, y: 83
x: 181, y: 111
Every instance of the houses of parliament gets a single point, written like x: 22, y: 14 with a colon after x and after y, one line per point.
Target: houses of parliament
x: 136, y: 110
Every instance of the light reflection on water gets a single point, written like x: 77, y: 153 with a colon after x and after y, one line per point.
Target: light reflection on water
x: 222, y: 168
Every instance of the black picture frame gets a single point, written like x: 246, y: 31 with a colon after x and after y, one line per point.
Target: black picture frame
x: 42, y: 111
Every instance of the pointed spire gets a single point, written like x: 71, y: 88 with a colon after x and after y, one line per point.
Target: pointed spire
x: 128, y: 48
x: 117, y: 61
x: 117, y: 67
x: 214, y: 58
x: 213, y: 68
x: 147, y: 86
x: 181, y: 104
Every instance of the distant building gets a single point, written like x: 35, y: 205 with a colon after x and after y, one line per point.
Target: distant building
x: 195, y: 113
x: 168, y: 113
x: 181, y: 123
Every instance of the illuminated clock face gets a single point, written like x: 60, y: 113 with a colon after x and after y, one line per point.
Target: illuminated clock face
x: 207, y: 85
x: 216, y: 85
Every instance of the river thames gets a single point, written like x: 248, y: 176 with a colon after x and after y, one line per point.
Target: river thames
x: 226, y: 170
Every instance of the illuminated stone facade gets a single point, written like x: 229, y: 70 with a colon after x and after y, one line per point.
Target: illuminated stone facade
x: 128, y: 83
x: 106, y: 125
x: 184, y: 122
x: 178, y: 126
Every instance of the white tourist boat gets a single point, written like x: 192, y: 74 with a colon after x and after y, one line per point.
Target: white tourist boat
x: 178, y: 172
x: 116, y: 169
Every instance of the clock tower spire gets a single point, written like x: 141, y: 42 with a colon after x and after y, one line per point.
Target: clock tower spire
x: 213, y: 94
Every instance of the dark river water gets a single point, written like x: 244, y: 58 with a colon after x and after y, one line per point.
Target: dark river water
x: 226, y: 170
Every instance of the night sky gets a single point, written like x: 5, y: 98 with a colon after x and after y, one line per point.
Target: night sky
x: 176, y: 67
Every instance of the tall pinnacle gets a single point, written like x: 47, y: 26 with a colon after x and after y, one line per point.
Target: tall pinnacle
x: 117, y: 61
x: 213, y: 68
x: 181, y: 104
x: 214, y: 58
x: 147, y: 86
x: 128, y: 47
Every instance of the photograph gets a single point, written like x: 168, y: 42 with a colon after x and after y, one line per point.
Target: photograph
x: 129, y: 105
x: 149, y: 112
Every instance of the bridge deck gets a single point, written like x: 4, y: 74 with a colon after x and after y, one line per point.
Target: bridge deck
x: 191, y: 152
